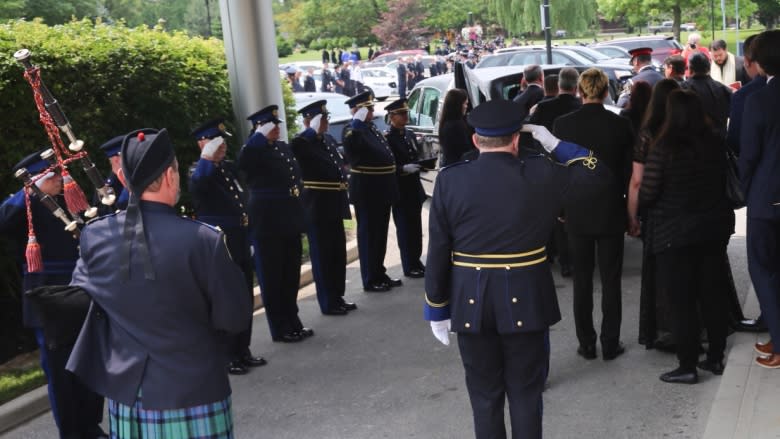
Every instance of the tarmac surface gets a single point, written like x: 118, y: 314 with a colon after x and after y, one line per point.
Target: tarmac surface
x: 380, y: 373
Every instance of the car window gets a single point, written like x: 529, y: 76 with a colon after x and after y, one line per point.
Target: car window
x: 429, y: 107
x: 412, y: 101
x: 558, y: 58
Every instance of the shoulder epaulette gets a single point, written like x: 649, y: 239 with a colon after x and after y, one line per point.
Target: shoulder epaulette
x: 454, y: 165
x: 211, y: 227
x: 102, y: 217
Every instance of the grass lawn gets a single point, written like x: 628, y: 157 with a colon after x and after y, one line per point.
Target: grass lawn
x: 20, y: 379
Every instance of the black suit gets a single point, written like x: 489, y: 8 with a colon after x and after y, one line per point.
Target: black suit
x: 547, y: 110
x: 597, y: 223
x: 530, y: 97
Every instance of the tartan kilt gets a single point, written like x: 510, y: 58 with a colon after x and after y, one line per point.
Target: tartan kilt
x: 207, y: 421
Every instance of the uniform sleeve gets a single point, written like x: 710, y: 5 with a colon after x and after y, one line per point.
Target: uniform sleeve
x: 204, y: 169
x: 438, y: 265
x: 227, y: 291
x: 12, y: 213
x: 735, y: 120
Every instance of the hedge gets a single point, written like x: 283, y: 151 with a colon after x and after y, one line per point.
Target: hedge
x: 109, y: 79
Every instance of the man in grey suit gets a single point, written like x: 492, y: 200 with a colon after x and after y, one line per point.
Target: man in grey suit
x: 154, y: 340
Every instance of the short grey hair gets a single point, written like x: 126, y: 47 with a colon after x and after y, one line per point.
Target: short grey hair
x: 494, y: 142
x: 532, y: 73
x: 567, y: 79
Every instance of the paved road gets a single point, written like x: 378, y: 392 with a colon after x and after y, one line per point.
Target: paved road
x: 379, y: 373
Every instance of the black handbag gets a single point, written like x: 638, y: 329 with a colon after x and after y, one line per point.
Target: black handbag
x: 734, y: 193
x: 62, y: 309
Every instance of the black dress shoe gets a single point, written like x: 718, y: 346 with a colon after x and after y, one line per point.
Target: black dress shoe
x: 237, y: 368
x: 565, y: 270
x: 613, y: 352
x: 250, y: 361
x: 680, y: 376
x: 716, y: 367
x: 306, y: 332
x: 393, y: 282
x: 349, y: 306
x: 376, y: 288
x: 415, y: 273
x: 337, y: 310
x: 587, y: 352
x: 750, y: 325
x: 292, y: 337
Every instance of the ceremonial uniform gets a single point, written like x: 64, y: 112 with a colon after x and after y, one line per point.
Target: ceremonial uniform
x: 325, y: 200
x: 487, y: 267
x: 76, y: 410
x: 111, y: 149
x: 373, y: 188
x: 277, y: 220
x: 153, y: 342
x: 407, y: 211
x: 220, y: 201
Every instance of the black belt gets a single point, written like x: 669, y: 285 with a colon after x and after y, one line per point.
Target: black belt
x: 499, y: 260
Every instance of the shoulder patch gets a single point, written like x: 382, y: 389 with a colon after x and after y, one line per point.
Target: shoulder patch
x: 216, y: 229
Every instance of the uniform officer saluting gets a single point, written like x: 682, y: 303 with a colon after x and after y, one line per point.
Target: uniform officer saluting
x: 76, y: 410
x: 220, y: 201
x: 111, y: 149
x: 373, y: 189
x: 277, y: 220
x: 407, y: 210
x: 487, y: 267
x: 325, y: 200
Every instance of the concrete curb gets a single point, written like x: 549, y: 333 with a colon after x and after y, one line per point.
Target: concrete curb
x: 34, y: 403
x: 23, y: 408
x: 746, y: 403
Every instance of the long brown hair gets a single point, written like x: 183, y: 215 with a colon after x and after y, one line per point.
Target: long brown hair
x: 686, y: 129
x: 656, y: 109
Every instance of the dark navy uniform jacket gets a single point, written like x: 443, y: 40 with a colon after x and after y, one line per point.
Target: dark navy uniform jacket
x: 59, y: 249
x: 220, y: 200
x: 648, y: 74
x: 373, y: 171
x: 274, y: 182
x: 166, y: 336
x: 489, y: 222
x: 404, y: 147
x: 324, y: 180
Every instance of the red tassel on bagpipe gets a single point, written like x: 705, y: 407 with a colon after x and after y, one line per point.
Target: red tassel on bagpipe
x: 74, y: 196
x: 33, y: 251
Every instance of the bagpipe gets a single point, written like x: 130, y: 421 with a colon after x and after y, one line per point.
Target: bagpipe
x: 52, y: 117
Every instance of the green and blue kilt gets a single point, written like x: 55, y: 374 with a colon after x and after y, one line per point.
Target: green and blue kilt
x: 208, y: 421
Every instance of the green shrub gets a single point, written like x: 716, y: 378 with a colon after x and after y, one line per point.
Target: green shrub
x: 283, y: 47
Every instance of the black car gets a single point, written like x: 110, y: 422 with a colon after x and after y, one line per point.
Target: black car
x: 426, y: 98
x: 340, y: 115
x: 663, y: 46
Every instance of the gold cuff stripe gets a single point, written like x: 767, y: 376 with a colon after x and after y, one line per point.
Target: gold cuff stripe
x: 501, y: 255
x: 375, y: 168
x: 436, y: 305
x: 512, y: 265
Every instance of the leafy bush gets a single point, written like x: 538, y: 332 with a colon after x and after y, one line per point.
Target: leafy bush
x: 283, y: 47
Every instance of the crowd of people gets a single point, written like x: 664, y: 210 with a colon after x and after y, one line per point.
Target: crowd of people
x: 171, y: 297
x: 663, y: 170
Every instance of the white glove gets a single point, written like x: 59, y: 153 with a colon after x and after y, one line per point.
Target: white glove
x: 361, y: 114
x: 410, y: 168
x: 39, y: 182
x: 542, y: 135
x: 441, y: 330
x: 266, y: 128
x: 211, y: 147
x: 315, y: 123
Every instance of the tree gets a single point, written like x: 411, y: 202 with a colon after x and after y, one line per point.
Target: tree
x: 11, y: 9
x: 58, y: 12
x: 640, y: 12
x: 523, y: 16
x: 400, y: 24
x: 768, y: 12
x: 443, y: 16
x: 307, y: 20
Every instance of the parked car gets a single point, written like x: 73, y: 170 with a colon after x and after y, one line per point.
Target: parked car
x: 525, y: 55
x: 667, y: 26
x: 303, y: 67
x: 426, y: 60
x: 663, y: 46
x: 385, y: 58
x: 381, y: 81
x: 597, y: 57
x: 426, y: 98
x: 612, y: 51
x: 340, y: 115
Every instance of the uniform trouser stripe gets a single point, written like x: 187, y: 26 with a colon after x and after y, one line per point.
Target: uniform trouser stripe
x: 327, y: 250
